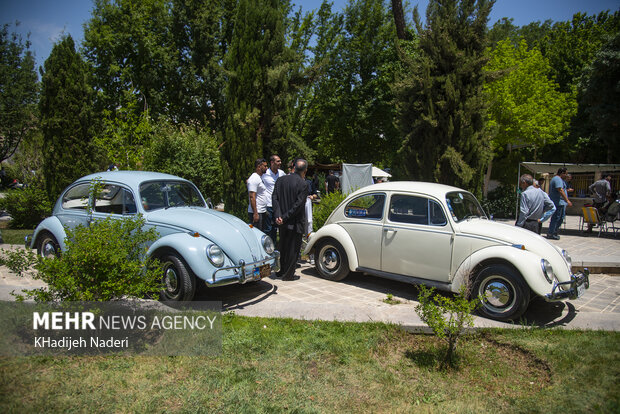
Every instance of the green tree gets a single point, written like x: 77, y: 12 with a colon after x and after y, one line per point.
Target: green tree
x: 351, y: 114
x: 125, y: 134
x: 601, y: 97
x: 18, y: 92
x: 129, y: 46
x: 571, y: 46
x: 189, y: 153
x: 258, y: 93
x: 66, y: 118
x: 440, y: 96
x: 525, y: 107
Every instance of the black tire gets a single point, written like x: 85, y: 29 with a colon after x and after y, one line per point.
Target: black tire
x: 505, y: 294
x: 331, y: 260
x: 47, y: 245
x: 179, y: 282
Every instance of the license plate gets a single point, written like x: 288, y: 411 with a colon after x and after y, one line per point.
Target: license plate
x: 581, y: 289
x: 265, y: 271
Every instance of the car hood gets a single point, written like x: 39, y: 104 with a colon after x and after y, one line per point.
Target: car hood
x: 232, y: 235
x: 509, y: 234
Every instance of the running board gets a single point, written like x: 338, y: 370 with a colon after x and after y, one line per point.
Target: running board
x: 407, y: 279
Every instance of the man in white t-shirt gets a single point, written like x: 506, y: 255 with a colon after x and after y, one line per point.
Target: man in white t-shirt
x: 257, y: 194
x: 269, y: 179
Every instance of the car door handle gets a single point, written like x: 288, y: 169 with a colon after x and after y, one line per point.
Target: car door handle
x: 387, y: 229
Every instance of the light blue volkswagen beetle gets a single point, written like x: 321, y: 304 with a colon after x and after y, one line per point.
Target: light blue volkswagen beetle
x: 196, y: 243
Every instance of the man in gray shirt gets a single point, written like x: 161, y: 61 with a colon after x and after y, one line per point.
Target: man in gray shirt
x: 535, y: 206
x: 599, y: 191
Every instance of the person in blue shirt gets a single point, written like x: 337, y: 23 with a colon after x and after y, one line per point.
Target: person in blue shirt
x: 559, y: 196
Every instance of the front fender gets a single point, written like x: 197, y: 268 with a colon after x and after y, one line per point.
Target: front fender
x: 338, y: 233
x: 527, y: 264
x: 192, y: 249
x: 53, y: 226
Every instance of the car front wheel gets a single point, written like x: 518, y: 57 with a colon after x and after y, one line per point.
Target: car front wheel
x: 179, y: 283
x: 504, y: 293
x: 47, y: 246
x: 331, y: 260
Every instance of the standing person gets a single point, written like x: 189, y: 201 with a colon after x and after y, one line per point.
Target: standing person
x: 600, y: 189
x: 257, y: 194
x: 269, y: 179
x: 289, y: 208
x: 312, y: 195
x: 535, y: 207
x: 557, y: 194
x: 332, y: 183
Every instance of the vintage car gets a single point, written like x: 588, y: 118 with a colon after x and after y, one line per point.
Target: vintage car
x: 439, y: 236
x: 196, y: 243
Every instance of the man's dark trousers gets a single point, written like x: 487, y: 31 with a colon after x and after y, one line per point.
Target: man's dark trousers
x: 290, y: 245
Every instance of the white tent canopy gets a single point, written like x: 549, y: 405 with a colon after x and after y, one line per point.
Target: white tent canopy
x: 378, y: 172
x: 552, y: 167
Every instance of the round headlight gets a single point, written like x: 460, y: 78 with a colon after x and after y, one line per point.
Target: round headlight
x: 568, y: 259
x: 547, y: 270
x: 215, y: 255
x: 268, y: 244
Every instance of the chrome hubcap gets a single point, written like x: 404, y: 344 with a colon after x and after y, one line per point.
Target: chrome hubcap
x: 498, y: 293
x: 49, y: 250
x: 171, y: 280
x: 330, y: 260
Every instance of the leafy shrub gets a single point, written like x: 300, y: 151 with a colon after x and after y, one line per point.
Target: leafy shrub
x: 26, y: 206
x: 321, y: 211
x: 447, y: 316
x: 104, y: 261
x: 501, y: 202
x: 190, y: 154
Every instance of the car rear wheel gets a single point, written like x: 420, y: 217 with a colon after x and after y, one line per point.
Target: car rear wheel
x: 331, y: 260
x: 179, y: 282
x: 504, y: 292
x: 47, y: 246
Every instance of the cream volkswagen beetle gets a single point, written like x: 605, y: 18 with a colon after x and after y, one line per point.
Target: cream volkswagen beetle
x: 439, y: 236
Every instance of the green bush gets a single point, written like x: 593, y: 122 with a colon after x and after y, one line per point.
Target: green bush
x: 501, y: 202
x: 321, y: 211
x: 26, y: 206
x: 104, y: 261
x: 447, y: 316
x: 190, y: 154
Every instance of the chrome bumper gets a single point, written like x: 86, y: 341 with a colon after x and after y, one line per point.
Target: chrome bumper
x: 244, y: 272
x: 581, y: 278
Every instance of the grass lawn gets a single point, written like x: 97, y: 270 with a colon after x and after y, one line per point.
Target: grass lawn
x: 15, y: 236
x: 283, y: 365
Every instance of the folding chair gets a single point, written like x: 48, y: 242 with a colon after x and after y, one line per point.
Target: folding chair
x: 609, y: 224
x: 590, y: 216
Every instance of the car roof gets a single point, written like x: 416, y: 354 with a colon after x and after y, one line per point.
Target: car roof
x: 434, y: 189
x: 130, y: 178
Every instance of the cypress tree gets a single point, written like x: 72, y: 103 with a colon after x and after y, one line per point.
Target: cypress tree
x: 66, y: 118
x: 440, y: 97
x: 256, y: 65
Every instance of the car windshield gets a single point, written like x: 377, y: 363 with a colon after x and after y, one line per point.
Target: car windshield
x: 464, y: 205
x: 164, y: 194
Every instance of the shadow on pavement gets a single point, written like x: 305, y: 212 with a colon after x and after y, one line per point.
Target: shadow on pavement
x: 546, y: 314
x: 238, y: 296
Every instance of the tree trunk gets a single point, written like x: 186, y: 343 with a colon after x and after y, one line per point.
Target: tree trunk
x: 487, y: 179
x: 399, y: 20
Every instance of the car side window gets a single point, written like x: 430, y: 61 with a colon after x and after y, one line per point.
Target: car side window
x: 113, y: 199
x: 368, y: 206
x: 76, y: 198
x: 408, y: 209
x: 438, y: 218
